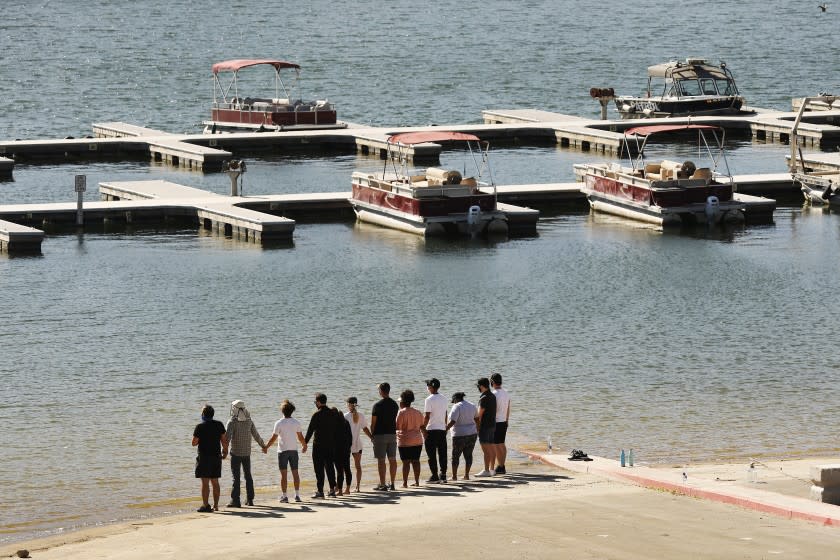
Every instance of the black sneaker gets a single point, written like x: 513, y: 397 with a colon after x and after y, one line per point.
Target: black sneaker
x: 205, y: 509
x: 391, y: 487
x: 318, y: 495
x: 331, y: 494
x: 249, y: 503
x: 443, y: 479
x: 501, y: 469
x: 234, y: 504
x: 433, y: 478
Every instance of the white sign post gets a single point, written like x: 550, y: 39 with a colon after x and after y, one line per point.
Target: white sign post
x: 81, y: 187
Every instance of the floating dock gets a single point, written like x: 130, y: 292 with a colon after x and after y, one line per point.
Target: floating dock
x: 209, y: 152
x: 264, y: 219
x: 15, y: 238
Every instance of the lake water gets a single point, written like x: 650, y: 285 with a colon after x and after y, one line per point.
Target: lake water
x: 686, y: 347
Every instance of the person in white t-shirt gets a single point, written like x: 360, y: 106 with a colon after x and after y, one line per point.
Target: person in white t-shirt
x: 434, y: 430
x: 358, y: 424
x: 502, y: 417
x: 288, y: 432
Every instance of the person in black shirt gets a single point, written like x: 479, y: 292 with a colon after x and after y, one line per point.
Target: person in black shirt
x: 383, y: 428
x: 209, y: 437
x: 485, y: 421
x: 343, y: 443
x: 324, y: 427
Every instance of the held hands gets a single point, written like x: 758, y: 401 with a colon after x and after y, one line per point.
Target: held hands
x: 304, y: 448
x: 264, y: 449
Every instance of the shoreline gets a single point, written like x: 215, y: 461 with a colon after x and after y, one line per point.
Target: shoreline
x: 541, y: 494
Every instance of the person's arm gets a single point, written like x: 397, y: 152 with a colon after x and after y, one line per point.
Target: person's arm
x: 195, y: 441
x: 426, y: 417
x: 478, y: 416
x: 372, y: 427
x: 311, y: 429
x: 451, y: 419
x: 223, y: 438
x: 271, y: 440
x: 256, y: 435
x: 302, y: 442
x: 507, y: 416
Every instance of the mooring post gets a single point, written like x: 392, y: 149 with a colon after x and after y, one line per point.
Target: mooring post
x: 81, y: 187
x: 234, y: 168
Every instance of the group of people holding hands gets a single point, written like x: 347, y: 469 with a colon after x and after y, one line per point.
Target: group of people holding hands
x: 394, y: 427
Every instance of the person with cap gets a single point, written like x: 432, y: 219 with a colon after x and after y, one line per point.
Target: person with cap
x: 502, y: 417
x: 464, y: 433
x: 434, y: 430
x: 209, y: 437
x: 287, y: 432
x: 358, y: 424
x: 383, y: 427
x: 324, y: 428
x: 240, y: 431
x: 485, y: 422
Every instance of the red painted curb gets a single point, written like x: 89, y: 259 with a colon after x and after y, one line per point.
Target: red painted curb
x: 711, y: 495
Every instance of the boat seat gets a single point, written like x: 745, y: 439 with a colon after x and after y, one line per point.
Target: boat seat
x: 652, y: 171
x: 702, y: 173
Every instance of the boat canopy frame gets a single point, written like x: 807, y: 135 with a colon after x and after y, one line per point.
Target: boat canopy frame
x: 223, y: 90
x: 714, y: 151
x: 475, y: 149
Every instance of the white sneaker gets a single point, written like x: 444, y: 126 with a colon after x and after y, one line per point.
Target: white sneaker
x: 483, y: 473
x: 492, y: 473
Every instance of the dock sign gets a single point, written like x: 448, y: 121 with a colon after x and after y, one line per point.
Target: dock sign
x: 81, y: 183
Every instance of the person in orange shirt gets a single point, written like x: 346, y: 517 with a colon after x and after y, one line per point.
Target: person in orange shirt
x: 409, y: 437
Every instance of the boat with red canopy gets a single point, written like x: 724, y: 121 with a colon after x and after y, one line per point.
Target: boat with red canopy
x: 432, y: 201
x: 665, y: 192
x: 232, y: 110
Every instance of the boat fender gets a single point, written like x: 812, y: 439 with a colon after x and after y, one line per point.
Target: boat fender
x: 473, y: 214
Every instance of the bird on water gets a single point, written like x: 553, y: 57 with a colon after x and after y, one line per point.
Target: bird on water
x: 823, y: 7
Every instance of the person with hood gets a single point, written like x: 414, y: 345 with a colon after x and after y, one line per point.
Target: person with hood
x: 240, y: 431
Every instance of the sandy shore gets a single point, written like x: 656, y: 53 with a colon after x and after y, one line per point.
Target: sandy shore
x: 540, y: 511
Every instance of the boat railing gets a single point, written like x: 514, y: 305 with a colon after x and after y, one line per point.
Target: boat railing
x: 265, y: 106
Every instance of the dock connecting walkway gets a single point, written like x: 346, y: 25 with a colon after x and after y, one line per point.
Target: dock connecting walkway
x: 209, y: 152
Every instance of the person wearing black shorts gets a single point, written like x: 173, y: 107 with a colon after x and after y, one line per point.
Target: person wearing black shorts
x: 502, y: 418
x: 485, y: 421
x: 209, y: 437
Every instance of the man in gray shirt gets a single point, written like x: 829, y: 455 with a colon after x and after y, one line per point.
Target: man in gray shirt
x: 464, y: 433
x: 240, y: 430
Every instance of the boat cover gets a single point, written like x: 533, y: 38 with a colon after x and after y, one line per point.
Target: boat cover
x: 656, y: 128
x: 238, y: 64
x: 408, y: 138
x: 684, y: 71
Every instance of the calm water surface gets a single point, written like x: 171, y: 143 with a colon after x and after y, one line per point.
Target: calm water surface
x: 687, y: 347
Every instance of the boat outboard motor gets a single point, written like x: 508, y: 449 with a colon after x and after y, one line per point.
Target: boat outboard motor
x: 473, y: 219
x: 712, y: 209
x: 473, y: 215
x: 828, y: 193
